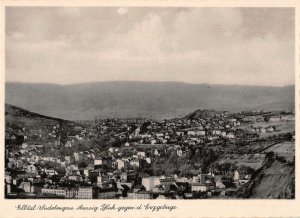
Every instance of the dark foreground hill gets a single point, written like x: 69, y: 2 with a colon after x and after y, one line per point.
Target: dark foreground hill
x: 146, y: 99
x: 275, y: 180
x: 202, y: 113
x: 16, y: 118
x: 13, y: 111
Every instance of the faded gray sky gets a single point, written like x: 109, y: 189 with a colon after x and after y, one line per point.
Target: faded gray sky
x: 65, y: 45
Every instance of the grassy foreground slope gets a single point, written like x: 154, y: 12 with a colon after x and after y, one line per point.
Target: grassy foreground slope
x: 276, y: 180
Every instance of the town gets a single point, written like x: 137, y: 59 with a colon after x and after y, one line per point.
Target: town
x: 206, y: 154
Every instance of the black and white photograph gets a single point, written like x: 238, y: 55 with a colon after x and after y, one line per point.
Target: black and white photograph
x: 149, y: 103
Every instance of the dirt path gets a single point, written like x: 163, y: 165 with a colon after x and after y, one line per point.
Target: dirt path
x: 269, y: 146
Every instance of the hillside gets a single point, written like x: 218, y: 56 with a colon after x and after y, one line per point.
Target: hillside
x: 275, y: 180
x: 146, y: 99
x: 17, y: 117
x: 202, y: 113
x: 14, y: 111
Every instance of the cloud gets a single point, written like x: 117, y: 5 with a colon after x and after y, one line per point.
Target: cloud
x: 202, y: 45
x: 206, y: 28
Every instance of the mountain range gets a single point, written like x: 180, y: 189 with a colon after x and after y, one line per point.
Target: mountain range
x: 143, y: 99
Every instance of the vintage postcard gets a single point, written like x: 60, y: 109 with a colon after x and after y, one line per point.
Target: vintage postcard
x: 145, y: 109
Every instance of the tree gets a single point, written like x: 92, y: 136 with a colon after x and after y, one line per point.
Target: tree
x: 186, y: 169
x: 270, y: 155
x: 82, y: 164
x: 61, y: 171
x: 267, y: 118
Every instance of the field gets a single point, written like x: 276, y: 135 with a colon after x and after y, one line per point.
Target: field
x: 251, y: 160
x: 285, y: 149
x: 283, y: 126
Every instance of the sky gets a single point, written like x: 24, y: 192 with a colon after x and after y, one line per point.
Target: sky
x: 67, y: 45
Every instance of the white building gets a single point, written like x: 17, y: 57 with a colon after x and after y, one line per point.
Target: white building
x: 138, y: 195
x: 230, y: 135
x: 202, y: 187
x: 219, y: 184
x: 85, y: 193
x: 58, y: 192
x: 236, y: 176
x: 27, y: 187
x: 98, y: 161
x: 275, y: 119
x: 141, y: 153
x: 135, y: 162
x: 72, y: 194
x: 120, y: 164
x: 68, y: 159
x: 150, y: 182
x: 76, y: 156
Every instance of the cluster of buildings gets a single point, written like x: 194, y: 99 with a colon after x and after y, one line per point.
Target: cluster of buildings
x: 42, y: 162
x: 95, y: 185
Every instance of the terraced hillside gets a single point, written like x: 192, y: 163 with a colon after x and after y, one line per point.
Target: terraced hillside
x: 275, y: 180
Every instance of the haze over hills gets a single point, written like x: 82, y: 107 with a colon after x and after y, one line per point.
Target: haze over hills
x: 147, y: 99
